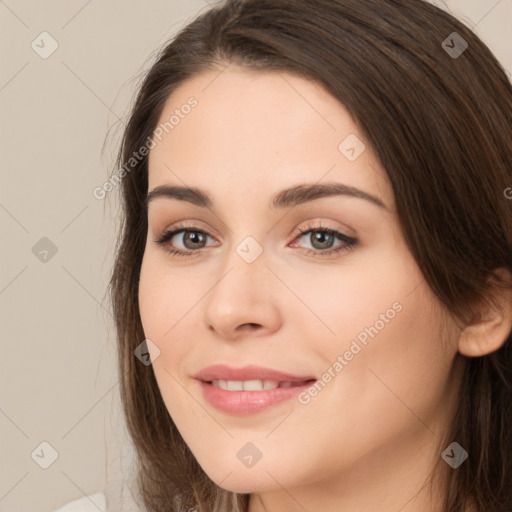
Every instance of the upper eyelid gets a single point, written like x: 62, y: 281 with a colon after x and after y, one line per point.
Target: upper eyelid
x: 298, y: 232
x: 314, y: 225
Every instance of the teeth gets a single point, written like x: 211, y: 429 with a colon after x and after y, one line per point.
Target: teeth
x: 252, y: 385
x: 255, y: 385
x: 234, y: 385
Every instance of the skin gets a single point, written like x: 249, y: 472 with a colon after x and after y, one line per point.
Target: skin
x: 371, y: 438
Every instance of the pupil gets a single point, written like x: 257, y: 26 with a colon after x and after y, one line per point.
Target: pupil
x: 194, y: 236
x: 318, y: 236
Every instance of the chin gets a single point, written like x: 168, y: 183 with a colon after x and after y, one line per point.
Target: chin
x: 244, y: 481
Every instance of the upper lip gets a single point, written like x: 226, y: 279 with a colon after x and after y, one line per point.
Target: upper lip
x: 251, y: 372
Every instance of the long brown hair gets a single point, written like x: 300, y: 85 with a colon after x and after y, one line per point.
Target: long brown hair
x: 440, y: 124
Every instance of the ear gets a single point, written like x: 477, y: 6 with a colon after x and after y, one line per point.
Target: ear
x: 491, y: 323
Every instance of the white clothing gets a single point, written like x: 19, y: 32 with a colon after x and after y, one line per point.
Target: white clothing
x: 84, y: 504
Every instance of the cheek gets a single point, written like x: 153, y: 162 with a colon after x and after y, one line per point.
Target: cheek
x: 388, y: 357
x: 166, y: 305
x: 362, y: 303
x: 390, y: 389
x: 392, y: 373
x: 165, y: 298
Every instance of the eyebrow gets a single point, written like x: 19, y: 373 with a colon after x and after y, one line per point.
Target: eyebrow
x: 298, y: 194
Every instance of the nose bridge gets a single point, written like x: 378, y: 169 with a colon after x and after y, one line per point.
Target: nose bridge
x: 244, y: 267
x: 245, y: 240
x: 242, y: 293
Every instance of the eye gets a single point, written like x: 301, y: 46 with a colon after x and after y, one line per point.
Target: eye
x: 193, y: 239
x: 322, y: 239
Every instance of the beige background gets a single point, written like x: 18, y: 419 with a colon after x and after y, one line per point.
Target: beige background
x: 58, y: 373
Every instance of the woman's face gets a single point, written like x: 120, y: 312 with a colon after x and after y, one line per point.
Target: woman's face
x: 351, y: 310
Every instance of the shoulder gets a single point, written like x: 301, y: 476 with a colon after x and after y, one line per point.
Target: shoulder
x: 92, y: 503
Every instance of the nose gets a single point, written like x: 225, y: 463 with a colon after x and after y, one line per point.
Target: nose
x: 244, y: 300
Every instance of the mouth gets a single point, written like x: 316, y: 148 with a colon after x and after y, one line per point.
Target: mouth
x: 255, y: 385
x: 250, y: 389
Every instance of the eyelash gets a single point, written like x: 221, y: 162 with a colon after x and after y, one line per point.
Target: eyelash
x: 350, y: 242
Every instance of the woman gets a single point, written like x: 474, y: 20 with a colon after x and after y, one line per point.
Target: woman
x: 313, y: 283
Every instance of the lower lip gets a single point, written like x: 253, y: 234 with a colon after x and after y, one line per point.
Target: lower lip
x: 248, y: 402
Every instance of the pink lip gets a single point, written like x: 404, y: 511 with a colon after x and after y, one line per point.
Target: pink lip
x: 223, y: 372
x: 248, y: 402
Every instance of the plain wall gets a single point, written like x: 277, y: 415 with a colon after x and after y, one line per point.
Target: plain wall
x: 58, y: 367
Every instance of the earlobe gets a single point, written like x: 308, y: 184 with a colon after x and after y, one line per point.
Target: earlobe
x: 491, y: 324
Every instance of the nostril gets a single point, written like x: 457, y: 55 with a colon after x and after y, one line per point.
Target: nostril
x: 249, y: 325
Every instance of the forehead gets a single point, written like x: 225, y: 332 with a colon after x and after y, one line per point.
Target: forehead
x: 250, y: 129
